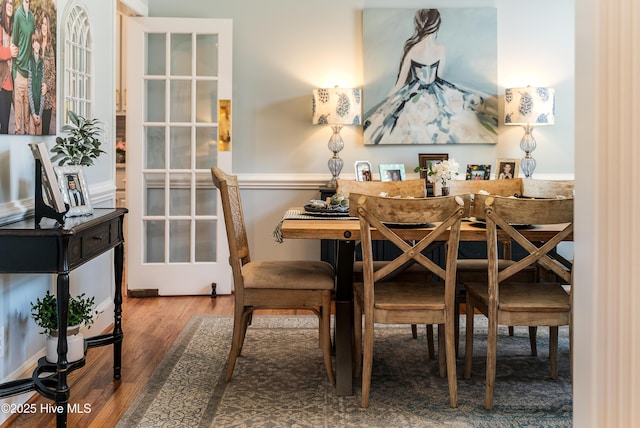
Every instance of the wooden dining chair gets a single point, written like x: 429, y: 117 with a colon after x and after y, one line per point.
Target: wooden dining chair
x: 505, y: 302
x: 474, y: 268
x: 295, y: 284
x: 403, y: 301
x: 414, y: 188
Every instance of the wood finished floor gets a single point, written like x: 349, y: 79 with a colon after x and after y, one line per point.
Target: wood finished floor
x: 150, y: 328
x: 150, y: 325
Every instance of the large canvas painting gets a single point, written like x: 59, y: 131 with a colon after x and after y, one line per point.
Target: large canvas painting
x: 28, y: 67
x: 430, y: 76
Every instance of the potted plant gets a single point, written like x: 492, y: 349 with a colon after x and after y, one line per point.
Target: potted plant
x: 82, y: 146
x: 45, y: 314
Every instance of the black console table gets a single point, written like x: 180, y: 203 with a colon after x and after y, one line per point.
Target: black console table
x: 50, y: 248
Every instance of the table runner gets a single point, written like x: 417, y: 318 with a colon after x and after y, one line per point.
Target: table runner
x: 299, y: 214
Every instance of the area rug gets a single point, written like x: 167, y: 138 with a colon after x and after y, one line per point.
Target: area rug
x: 279, y: 381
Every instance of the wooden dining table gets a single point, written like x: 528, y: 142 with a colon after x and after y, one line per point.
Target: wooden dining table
x: 346, y: 233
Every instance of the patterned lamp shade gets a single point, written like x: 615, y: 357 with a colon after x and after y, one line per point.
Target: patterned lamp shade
x: 529, y: 106
x: 337, y: 106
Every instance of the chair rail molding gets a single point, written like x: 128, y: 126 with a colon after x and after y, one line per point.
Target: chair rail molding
x: 314, y: 181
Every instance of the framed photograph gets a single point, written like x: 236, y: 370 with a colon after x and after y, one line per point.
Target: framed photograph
x: 507, y: 168
x: 392, y: 172
x: 74, y: 190
x: 49, y: 186
x: 478, y: 172
x: 425, y: 161
x: 363, y: 171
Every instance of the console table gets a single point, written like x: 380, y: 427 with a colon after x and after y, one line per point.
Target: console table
x: 49, y: 248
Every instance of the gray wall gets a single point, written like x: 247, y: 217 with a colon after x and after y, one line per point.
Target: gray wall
x: 24, y: 343
x: 285, y: 48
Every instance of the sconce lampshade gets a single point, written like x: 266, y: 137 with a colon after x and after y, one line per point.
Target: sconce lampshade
x: 529, y: 107
x: 336, y: 107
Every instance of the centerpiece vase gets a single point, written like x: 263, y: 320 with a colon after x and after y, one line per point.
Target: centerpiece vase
x: 445, y: 191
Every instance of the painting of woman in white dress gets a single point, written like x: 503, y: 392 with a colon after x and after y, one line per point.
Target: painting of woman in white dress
x: 444, y: 89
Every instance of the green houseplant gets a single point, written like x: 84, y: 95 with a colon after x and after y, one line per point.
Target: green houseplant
x: 45, y: 314
x: 82, y: 145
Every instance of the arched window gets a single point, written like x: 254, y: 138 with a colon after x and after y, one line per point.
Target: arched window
x: 77, y: 63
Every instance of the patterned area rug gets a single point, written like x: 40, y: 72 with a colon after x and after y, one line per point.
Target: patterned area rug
x: 280, y: 382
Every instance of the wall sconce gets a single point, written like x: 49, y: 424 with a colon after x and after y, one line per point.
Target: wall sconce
x: 529, y: 107
x: 336, y: 107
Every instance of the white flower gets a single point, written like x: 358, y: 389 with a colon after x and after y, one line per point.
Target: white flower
x: 443, y: 171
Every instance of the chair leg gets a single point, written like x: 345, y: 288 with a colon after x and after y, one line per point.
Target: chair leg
x: 492, y: 344
x: 414, y: 331
x: 553, y: 351
x: 442, y: 353
x: 357, y: 339
x: 367, y: 360
x: 468, y: 347
x: 511, y: 330
x: 451, y: 364
x: 325, y: 337
x: 430, y: 345
x: 240, y: 320
x: 533, y: 331
x: 456, y: 319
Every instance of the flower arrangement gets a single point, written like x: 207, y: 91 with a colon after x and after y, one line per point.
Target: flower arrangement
x: 443, y: 172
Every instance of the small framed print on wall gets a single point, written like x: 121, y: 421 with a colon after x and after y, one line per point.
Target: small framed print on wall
x: 74, y: 190
x: 425, y: 162
x: 507, y: 168
x: 363, y: 171
x: 392, y: 172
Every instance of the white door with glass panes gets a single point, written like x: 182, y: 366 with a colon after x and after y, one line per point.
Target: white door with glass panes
x: 179, y: 80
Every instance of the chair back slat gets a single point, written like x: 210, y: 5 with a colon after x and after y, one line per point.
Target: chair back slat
x: 494, y: 187
x: 549, y: 189
x: 406, y: 188
x: 532, y: 211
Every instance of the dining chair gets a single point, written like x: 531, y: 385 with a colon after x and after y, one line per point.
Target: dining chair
x: 505, y: 302
x: 281, y: 284
x: 402, y: 301
x: 474, y: 269
x: 414, y: 188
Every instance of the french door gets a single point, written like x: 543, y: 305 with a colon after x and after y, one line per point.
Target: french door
x: 179, y: 79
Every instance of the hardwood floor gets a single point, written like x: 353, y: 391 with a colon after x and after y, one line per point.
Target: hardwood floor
x: 150, y: 327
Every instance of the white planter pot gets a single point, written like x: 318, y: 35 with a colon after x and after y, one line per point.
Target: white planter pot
x: 75, y: 346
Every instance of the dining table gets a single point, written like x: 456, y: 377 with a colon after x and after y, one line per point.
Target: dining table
x: 345, y: 232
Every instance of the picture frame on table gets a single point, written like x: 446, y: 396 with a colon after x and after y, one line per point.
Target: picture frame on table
x: 425, y: 161
x: 363, y: 171
x: 478, y: 172
x: 507, y: 168
x: 74, y: 190
x: 392, y: 172
x: 49, y: 182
